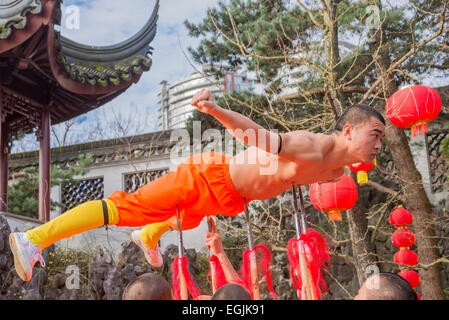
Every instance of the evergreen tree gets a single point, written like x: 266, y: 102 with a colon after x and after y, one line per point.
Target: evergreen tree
x: 341, y: 52
x: 23, y: 195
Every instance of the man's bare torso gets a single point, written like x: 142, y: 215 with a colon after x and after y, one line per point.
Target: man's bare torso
x: 260, y: 175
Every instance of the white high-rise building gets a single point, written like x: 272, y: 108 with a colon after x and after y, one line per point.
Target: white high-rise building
x: 291, y: 77
x: 174, y: 99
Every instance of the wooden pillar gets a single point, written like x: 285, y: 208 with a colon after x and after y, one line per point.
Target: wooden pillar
x: 44, y: 166
x: 4, y: 152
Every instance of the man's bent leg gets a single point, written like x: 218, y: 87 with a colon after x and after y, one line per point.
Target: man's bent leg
x: 82, y: 218
x: 151, y: 234
x: 147, y: 239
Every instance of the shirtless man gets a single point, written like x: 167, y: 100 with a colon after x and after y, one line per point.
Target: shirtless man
x: 212, y: 183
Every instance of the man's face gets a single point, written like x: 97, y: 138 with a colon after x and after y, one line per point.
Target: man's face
x: 364, y: 139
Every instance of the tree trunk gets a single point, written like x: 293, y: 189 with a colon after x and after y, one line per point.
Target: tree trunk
x: 358, y: 229
x: 357, y: 220
x: 416, y: 199
x: 418, y: 203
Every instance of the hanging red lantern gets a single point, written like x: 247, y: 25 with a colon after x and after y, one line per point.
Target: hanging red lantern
x: 407, y: 257
x: 413, y: 106
x: 361, y: 169
x: 334, y: 197
x: 401, y: 217
x: 411, y: 276
x: 403, y: 238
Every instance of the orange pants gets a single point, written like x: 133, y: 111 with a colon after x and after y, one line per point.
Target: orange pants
x: 199, y: 187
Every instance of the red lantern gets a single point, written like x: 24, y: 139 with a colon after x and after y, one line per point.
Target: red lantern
x: 401, y: 217
x: 361, y: 169
x: 403, y: 238
x: 413, y: 106
x: 334, y: 197
x: 407, y: 257
x: 411, y: 276
x: 419, y: 296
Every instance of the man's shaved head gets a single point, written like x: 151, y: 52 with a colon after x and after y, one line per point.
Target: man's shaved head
x: 148, y: 286
x: 386, y: 286
x: 356, y: 115
x: 231, y: 291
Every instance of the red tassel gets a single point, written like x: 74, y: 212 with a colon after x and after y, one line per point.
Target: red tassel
x: 191, y: 287
x: 316, y: 254
x: 219, y: 276
x: 263, y: 258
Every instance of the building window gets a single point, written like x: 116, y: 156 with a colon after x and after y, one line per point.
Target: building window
x: 136, y: 180
x: 82, y: 191
x: 438, y: 165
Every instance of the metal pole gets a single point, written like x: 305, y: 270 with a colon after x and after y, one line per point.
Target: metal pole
x: 248, y: 227
x: 182, y: 279
x: 180, y: 240
x: 295, y: 206
x: 252, y: 256
x: 300, y: 223
x: 212, y: 271
x: 303, y: 211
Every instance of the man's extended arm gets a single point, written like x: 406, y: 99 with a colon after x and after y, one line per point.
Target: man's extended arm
x: 241, y: 127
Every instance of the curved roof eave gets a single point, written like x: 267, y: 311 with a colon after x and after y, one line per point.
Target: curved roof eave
x: 20, y: 20
x: 86, y: 69
x: 139, y: 44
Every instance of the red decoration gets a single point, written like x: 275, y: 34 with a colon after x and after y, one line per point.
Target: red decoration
x: 316, y: 255
x: 413, y: 106
x: 179, y: 266
x: 217, y: 270
x: 403, y: 238
x: 411, y: 276
x: 334, y: 197
x: 263, y: 256
x: 401, y: 217
x: 407, y: 257
x: 361, y: 169
x: 419, y: 296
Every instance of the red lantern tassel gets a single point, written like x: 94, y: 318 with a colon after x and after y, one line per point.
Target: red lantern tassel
x: 362, y: 177
x: 419, y: 129
x: 263, y: 258
x: 316, y: 254
x: 219, y: 276
x: 179, y: 266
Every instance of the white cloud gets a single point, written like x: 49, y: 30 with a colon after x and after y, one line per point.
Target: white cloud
x: 105, y: 22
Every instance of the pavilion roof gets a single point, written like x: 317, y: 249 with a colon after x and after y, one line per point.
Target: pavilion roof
x: 39, y: 68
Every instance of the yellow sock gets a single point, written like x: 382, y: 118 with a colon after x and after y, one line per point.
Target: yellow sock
x: 84, y: 217
x: 151, y: 234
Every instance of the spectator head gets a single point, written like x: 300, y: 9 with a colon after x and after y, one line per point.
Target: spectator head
x: 231, y: 291
x: 386, y: 286
x: 148, y: 286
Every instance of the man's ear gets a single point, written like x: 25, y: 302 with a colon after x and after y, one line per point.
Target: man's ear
x: 347, y: 131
